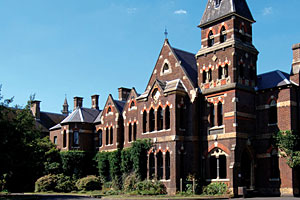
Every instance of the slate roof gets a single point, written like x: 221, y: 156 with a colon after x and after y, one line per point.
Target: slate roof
x: 82, y: 115
x: 272, y: 79
x: 188, y: 62
x: 98, y: 118
x: 226, y: 8
x: 48, y: 120
x: 120, y: 105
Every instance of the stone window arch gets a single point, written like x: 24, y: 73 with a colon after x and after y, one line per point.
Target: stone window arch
x: 217, y: 164
x: 223, y: 34
x: 210, y: 39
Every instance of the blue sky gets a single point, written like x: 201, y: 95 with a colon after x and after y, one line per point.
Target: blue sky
x: 80, y: 48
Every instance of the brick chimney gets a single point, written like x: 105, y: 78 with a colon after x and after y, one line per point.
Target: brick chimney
x: 296, y: 63
x: 35, y: 109
x: 123, y: 93
x: 95, y: 102
x: 78, y: 102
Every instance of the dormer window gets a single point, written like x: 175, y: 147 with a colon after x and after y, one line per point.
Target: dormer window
x: 217, y: 3
x: 211, y: 40
x: 223, y: 35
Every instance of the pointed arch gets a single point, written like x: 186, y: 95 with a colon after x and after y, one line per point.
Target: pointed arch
x: 151, y: 166
x: 167, y: 117
x: 64, y: 139
x: 210, y: 39
x: 167, y: 165
x: 151, y: 120
x: 111, y: 138
x: 144, y: 121
x: 160, y: 118
x: 223, y: 35
x: 160, y: 167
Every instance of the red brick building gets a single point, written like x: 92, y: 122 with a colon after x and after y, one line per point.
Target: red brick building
x: 207, y: 113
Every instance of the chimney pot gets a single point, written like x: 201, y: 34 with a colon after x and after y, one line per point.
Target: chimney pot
x: 35, y: 109
x: 95, y: 102
x: 78, y: 101
x: 123, y: 93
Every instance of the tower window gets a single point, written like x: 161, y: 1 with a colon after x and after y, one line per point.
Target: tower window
x: 152, y: 120
x: 209, y: 75
x: 220, y: 114
x: 223, y: 35
x: 273, y: 112
x: 242, y: 33
x: 144, y: 121
x: 211, y: 39
x: 204, y: 76
x: 160, y: 119
x: 217, y: 3
x: 167, y: 120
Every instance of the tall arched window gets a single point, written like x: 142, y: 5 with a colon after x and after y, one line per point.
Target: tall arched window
x: 151, y: 166
x: 111, y: 135
x: 225, y: 69
x: 167, y: 165
x: 209, y: 75
x: 204, y: 76
x: 152, y: 120
x: 100, y: 138
x: 212, y: 115
x: 223, y: 35
x: 243, y: 33
x: 64, y: 139
x: 107, y: 137
x: 273, y: 112
x: 132, y: 104
x: 220, y: 72
x: 134, y: 131
x: 211, y: 39
x: 217, y: 164
x: 75, y: 138
x: 145, y: 121
x: 109, y: 110
x: 220, y: 114
x: 167, y: 113
x: 166, y: 68
x: 129, y: 133
x: 160, y: 167
x: 160, y: 119
x: 55, y: 139
x: 274, y: 164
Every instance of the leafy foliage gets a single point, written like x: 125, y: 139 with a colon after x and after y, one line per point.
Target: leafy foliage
x: 89, y: 183
x: 288, y: 143
x: 103, y: 165
x: 126, y: 162
x: 45, y: 183
x: 215, y: 189
x: 64, y: 183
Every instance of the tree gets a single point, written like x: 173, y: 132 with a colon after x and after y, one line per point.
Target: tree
x: 288, y: 143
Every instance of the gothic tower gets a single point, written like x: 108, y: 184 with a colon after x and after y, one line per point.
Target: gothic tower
x: 65, y: 110
x: 227, y: 80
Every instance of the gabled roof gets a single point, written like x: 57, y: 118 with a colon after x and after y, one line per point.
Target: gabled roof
x: 272, y: 79
x: 120, y: 105
x: 47, y: 120
x: 82, y: 115
x: 188, y: 62
x: 226, y: 8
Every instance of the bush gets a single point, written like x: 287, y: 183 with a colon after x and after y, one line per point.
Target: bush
x: 215, y: 189
x: 64, y: 183
x: 45, y: 183
x: 148, y: 187
x: 89, y: 183
x: 103, y: 165
x: 126, y: 162
x: 129, y: 182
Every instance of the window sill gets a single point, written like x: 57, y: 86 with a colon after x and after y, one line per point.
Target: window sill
x: 109, y: 145
x: 164, y: 130
x: 217, y: 180
x: 217, y: 127
x: 275, y: 124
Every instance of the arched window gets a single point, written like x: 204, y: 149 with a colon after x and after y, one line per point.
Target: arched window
x: 100, y: 138
x: 211, y: 39
x: 134, y: 131
x: 220, y: 114
x: 167, y: 164
x: 109, y: 110
x: 220, y: 72
x: 75, y: 138
x: 129, y: 133
x: 204, y: 76
x: 212, y: 115
x: 145, y: 121
x: 274, y: 164
x: 160, y: 167
x: 152, y: 120
x: 273, y: 112
x: 217, y: 164
x: 160, y: 119
x: 223, y: 35
x: 217, y: 3
x: 111, y: 135
x: 166, y: 68
x: 209, y: 75
x: 55, y: 139
x: 151, y: 166
x: 225, y: 69
x: 167, y: 113
x: 107, y: 137
x: 243, y: 33
x: 64, y: 139
x: 132, y: 104
x: 182, y: 117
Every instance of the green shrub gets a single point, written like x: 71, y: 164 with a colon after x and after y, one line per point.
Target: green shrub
x: 126, y: 162
x: 215, y: 189
x: 64, y: 183
x: 129, y: 182
x: 89, y: 183
x: 103, y: 165
x: 45, y: 183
